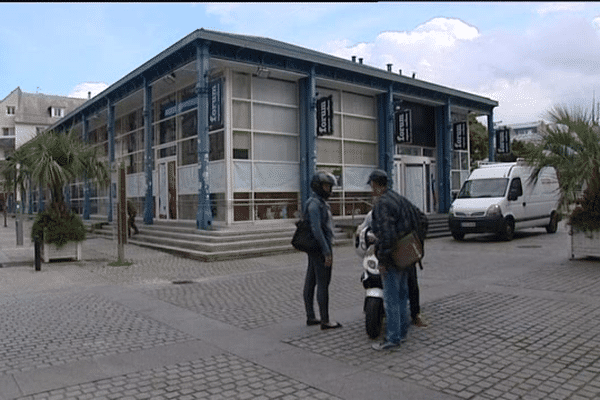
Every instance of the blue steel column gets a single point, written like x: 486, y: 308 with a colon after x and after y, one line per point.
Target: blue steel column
x: 491, y: 137
x: 308, y: 132
x: 311, y: 125
x: 388, y: 139
x: 148, y: 153
x: 111, y: 153
x: 86, y: 181
x: 204, y: 213
x: 385, y: 142
x: 303, y: 137
x: 446, y: 144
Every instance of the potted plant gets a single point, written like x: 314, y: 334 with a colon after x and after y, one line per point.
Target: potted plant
x: 52, y: 160
x: 572, y: 145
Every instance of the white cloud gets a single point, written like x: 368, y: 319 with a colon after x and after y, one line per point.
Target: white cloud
x: 93, y: 88
x: 553, y: 7
x: 527, y: 71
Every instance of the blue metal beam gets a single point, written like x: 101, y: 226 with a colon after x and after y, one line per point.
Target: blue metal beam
x: 204, y: 213
x: 491, y: 137
x: 148, y: 153
x: 111, y: 153
x: 86, y: 182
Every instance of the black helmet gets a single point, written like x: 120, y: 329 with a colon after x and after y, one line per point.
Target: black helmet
x: 378, y: 176
x: 317, y: 181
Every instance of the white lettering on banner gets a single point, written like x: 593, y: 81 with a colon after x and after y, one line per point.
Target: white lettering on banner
x: 213, y: 113
x: 460, y: 136
x: 325, y: 116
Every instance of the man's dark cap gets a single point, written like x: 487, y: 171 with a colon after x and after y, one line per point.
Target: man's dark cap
x: 378, y: 176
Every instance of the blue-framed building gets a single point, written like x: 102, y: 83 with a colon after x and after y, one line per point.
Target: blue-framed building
x: 227, y: 129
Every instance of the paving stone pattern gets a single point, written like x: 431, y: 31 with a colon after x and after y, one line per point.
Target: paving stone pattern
x: 482, y: 346
x: 220, y: 377
x: 261, y: 298
x: 45, y: 330
x: 580, y: 278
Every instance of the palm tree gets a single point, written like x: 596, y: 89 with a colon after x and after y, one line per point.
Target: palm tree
x: 52, y: 160
x: 572, y: 146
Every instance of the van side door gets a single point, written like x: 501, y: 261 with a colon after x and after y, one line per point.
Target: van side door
x: 516, y: 204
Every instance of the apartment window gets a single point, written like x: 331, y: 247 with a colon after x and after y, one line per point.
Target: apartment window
x: 8, y: 131
x: 10, y: 110
x: 57, y: 112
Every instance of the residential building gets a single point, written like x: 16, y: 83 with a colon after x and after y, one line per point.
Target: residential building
x: 24, y: 115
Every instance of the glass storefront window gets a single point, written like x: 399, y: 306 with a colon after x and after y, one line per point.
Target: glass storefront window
x: 216, y: 146
x: 189, y: 124
x: 188, y: 152
x: 166, y: 131
x: 241, y: 145
x: 241, y: 115
x: 275, y: 147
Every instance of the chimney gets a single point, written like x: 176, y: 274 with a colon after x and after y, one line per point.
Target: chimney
x: 353, y: 58
x: 89, y: 95
x: 399, y: 72
x: 414, y: 74
x: 360, y: 60
x: 389, y: 67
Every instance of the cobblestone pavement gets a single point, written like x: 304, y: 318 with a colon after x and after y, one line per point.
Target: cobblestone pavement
x: 220, y: 377
x: 508, y: 320
x: 56, y: 330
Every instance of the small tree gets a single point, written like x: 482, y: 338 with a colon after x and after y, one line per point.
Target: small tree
x: 478, y: 136
x: 572, y: 146
x: 52, y: 160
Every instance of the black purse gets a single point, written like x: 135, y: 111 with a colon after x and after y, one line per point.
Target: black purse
x: 303, y: 238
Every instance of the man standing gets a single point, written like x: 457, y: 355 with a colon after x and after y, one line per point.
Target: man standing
x: 393, y: 216
x: 318, y: 273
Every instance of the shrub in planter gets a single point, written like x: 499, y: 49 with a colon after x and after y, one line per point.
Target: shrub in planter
x: 586, y: 216
x: 58, y: 226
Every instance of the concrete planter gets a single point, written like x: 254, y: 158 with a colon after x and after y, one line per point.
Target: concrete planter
x: 585, y: 243
x: 71, y: 250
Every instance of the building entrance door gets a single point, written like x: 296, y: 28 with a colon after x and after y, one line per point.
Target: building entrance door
x: 167, y: 189
x: 415, y: 179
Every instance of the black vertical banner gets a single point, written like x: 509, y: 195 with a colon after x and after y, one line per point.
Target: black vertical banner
x: 403, y: 126
x: 325, y: 116
x: 459, y: 136
x: 215, y: 105
x: 503, y: 141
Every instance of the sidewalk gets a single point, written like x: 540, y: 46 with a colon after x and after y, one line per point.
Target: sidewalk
x: 508, y: 320
x: 10, y: 253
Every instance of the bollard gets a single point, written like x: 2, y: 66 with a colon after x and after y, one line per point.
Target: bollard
x: 38, y: 254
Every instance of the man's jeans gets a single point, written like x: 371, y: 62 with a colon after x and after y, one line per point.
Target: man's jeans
x: 395, y: 298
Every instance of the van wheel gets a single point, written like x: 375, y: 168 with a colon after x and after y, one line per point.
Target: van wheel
x: 458, y: 235
x: 508, y: 230
x: 552, y: 227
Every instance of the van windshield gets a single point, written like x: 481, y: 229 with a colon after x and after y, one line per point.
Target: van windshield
x: 483, y: 188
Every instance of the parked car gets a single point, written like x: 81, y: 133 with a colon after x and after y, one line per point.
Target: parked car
x: 503, y: 197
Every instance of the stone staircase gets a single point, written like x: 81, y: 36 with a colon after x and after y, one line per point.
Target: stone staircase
x: 245, y: 241
x: 182, y: 238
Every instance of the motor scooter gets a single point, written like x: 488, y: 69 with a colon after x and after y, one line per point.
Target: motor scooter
x: 364, y: 243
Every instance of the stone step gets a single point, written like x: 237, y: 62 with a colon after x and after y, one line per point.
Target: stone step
x: 182, y: 237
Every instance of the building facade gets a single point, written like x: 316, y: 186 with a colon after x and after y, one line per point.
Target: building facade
x: 23, y: 116
x: 228, y: 129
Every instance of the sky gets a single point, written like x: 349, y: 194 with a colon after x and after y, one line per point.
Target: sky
x: 528, y: 56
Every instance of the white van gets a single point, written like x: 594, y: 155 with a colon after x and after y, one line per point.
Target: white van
x: 502, y: 197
